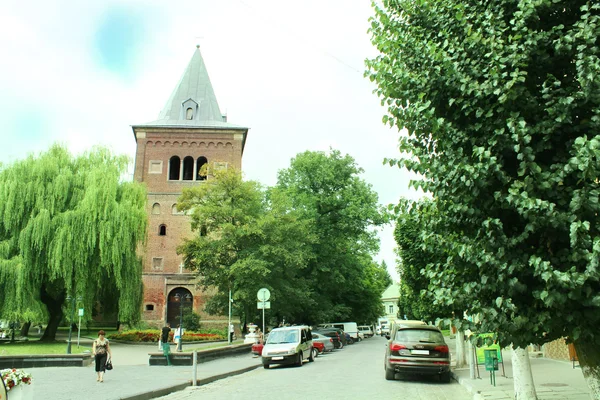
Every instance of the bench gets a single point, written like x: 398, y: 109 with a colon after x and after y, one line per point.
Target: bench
x: 186, y: 358
x: 45, y: 360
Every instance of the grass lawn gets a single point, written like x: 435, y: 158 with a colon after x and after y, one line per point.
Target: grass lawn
x: 34, y: 347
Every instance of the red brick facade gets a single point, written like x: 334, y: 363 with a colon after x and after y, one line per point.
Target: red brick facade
x: 163, y: 274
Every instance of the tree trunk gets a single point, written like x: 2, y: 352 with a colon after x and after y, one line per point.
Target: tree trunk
x: 472, y: 360
x: 54, y: 307
x: 589, y: 360
x: 461, y: 359
x: 25, y: 329
x: 522, y: 376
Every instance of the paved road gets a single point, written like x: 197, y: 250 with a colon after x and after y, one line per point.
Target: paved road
x: 355, y: 372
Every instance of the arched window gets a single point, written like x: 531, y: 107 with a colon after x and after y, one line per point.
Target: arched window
x: 201, y: 175
x: 162, y: 230
x: 189, y: 113
x: 156, y: 209
x: 188, y: 168
x: 174, y: 166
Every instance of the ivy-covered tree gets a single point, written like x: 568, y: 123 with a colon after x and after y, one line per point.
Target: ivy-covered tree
x: 501, y: 103
x: 69, y: 226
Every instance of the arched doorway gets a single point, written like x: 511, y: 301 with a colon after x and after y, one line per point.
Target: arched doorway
x: 178, y: 297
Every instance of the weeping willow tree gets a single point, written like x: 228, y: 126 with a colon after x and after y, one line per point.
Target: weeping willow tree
x: 69, y: 226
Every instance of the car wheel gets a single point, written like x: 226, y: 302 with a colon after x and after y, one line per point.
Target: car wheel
x: 445, y: 377
x: 266, y: 366
x: 313, y: 354
x: 390, y: 375
x: 341, y: 345
x: 300, y: 359
x: 350, y: 341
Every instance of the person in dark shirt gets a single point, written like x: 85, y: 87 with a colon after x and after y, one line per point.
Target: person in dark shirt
x: 164, y: 338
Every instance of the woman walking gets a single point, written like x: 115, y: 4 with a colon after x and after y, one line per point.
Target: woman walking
x: 101, y: 352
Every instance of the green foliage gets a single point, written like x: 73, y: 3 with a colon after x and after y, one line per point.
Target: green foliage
x: 327, y: 191
x: 245, y: 241
x: 70, y: 226
x: 501, y: 104
x: 308, y: 240
x: 191, y: 321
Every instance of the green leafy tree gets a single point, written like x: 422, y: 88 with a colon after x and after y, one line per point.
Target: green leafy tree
x: 501, y: 103
x: 246, y: 241
x: 69, y: 226
x: 327, y: 190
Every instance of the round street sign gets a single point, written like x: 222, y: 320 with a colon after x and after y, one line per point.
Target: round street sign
x: 263, y: 294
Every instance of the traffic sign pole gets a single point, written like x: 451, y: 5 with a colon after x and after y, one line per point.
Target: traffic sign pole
x: 263, y: 295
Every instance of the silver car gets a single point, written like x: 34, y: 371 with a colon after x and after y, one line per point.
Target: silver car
x: 326, y: 340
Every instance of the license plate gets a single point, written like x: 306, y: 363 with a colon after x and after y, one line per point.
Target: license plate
x: 420, y: 352
x: 277, y: 358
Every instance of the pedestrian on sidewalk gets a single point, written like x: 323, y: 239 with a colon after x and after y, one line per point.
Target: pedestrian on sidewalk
x: 231, y: 332
x: 177, y: 337
x: 164, y: 339
x: 101, y: 352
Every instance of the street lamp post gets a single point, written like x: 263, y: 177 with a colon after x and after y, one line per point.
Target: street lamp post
x: 73, y: 300
x: 185, y: 298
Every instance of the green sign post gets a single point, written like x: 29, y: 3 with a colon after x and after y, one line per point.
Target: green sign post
x: 491, y: 363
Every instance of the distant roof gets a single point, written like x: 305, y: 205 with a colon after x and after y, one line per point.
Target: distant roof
x: 194, y: 86
x: 393, y: 291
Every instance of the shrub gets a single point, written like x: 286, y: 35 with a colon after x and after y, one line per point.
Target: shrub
x: 151, y: 335
x: 191, y: 322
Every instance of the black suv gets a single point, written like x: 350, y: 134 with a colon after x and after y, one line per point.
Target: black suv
x: 417, y: 349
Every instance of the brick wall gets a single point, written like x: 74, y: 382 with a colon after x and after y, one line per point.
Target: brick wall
x: 161, y: 264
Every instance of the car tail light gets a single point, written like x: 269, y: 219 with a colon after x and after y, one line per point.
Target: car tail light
x: 441, y: 362
x: 331, y: 340
x: 397, y: 347
x: 441, y: 349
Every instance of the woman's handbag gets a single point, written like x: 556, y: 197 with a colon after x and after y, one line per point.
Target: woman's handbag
x: 108, y: 365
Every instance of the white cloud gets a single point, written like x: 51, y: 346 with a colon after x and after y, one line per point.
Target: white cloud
x: 292, y: 72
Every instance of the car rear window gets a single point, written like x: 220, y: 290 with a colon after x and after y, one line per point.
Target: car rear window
x: 419, y: 335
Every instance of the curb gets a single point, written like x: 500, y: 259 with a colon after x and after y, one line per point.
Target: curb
x: 464, y: 382
x: 181, y: 386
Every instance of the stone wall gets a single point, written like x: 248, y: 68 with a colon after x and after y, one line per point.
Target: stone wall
x: 557, y: 350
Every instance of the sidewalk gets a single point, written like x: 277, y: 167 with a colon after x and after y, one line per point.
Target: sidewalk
x: 132, y: 378
x: 554, y: 380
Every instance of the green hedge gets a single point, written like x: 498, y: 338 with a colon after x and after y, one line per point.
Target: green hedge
x: 152, y: 335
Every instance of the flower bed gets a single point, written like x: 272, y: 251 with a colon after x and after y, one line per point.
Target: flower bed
x: 149, y: 336
x: 14, y: 377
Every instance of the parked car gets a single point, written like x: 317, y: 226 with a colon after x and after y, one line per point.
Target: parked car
x: 418, y: 349
x: 350, y: 328
x: 326, y: 341
x: 288, y: 345
x: 257, y: 348
x: 338, y: 332
x: 334, y: 336
x: 365, y: 330
x: 318, y: 347
x: 403, y: 323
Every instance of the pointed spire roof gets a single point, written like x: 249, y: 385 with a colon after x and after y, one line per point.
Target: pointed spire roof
x: 195, y: 91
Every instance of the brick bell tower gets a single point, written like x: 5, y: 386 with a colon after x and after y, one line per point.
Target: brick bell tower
x: 190, y: 132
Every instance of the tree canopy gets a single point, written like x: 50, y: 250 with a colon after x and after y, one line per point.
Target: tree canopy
x: 69, y: 226
x: 308, y: 240
x: 500, y: 101
x: 327, y: 189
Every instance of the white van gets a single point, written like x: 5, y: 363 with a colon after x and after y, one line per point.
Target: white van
x: 289, y: 345
x: 351, y: 328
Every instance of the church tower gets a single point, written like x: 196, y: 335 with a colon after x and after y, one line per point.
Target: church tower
x: 190, y: 132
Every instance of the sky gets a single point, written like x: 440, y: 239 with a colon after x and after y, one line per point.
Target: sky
x: 81, y: 73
